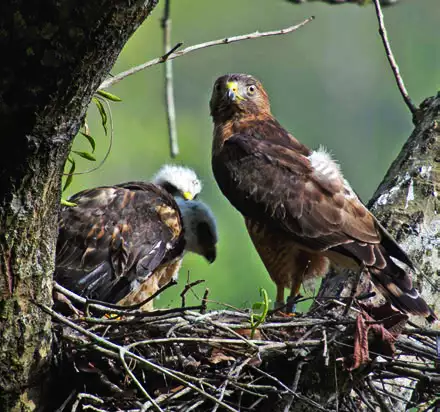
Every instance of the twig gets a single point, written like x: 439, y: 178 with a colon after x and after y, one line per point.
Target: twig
x: 204, y: 302
x: 383, y: 405
x: 85, y: 396
x: 195, y: 406
x: 407, y: 372
x: 165, y: 57
x: 223, y: 341
x: 325, y: 351
x: 117, y: 78
x: 127, y: 308
x: 364, y: 399
x: 169, y: 86
x: 222, y: 395
x: 122, y: 352
x: 231, y: 331
x: 188, y: 287
x: 105, y: 307
x: 299, y: 396
x: 289, y: 399
x: 68, y: 399
x: 94, y: 408
x: 168, y: 396
x: 297, y: 376
x: 336, y: 387
x: 391, y: 59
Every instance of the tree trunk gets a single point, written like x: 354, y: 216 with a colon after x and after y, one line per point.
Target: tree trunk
x: 55, y: 55
x: 407, y: 201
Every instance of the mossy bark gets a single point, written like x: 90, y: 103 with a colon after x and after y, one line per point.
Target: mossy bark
x: 55, y: 54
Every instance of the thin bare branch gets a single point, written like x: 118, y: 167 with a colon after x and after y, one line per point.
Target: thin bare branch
x: 122, y: 352
x: 169, y: 84
x: 382, y: 402
x: 117, y: 78
x: 395, y: 68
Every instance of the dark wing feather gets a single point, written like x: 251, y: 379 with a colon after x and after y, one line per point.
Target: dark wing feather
x: 114, y: 236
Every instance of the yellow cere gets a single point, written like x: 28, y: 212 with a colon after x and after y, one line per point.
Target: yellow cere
x: 233, y: 86
x: 187, y: 196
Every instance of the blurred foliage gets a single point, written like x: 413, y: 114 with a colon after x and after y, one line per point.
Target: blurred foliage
x: 329, y: 83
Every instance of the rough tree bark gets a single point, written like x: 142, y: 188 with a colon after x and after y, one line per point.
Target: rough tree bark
x: 407, y: 203
x: 55, y: 55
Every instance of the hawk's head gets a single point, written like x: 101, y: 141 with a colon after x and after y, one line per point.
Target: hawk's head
x: 179, y: 181
x: 238, y: 94
x: 200, y: 228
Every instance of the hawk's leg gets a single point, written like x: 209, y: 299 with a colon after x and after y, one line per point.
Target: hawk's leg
x: 279, y: 303
x: 297, y: 279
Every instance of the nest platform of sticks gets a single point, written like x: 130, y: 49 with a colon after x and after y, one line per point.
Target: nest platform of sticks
x: 191, y: 359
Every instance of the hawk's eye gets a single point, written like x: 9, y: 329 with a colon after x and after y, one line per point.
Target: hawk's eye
x: 251, y: 89
x: 217, y: 87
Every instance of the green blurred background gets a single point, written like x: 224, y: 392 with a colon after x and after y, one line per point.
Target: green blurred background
x: 329, y: 84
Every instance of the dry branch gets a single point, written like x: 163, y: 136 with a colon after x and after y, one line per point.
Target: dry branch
x: 169, y: 82
x: 227, y: 40
x: 395, y: 68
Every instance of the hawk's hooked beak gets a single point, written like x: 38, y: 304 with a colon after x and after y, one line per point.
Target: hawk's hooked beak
x: 187, y: 196
x: 233, y: 91
x: 210, y: 254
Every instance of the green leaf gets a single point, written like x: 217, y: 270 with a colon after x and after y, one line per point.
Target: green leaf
x: 85, y: 155
x: 109, y: 96
x: 255, y: 319
x: 102, y: 112
x: 91, y: 141
x: 65, y: 202
x: 70, y: 173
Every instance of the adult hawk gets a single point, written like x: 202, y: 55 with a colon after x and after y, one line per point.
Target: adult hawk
x: 121, y: 243
x: 300, y: 212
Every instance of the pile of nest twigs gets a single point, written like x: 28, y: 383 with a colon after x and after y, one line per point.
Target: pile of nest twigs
x: 191, y: 359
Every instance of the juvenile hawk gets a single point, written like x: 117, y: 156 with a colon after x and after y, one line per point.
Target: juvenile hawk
x: 180, y: 181
x: 121, y: 243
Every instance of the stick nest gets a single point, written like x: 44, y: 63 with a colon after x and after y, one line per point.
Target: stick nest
x: 188, y: 359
